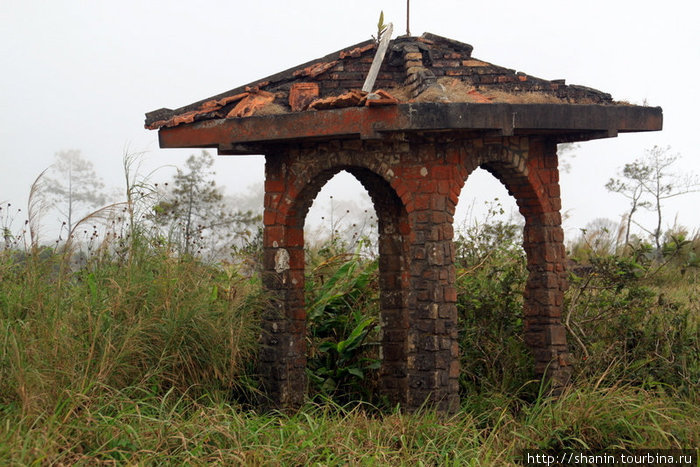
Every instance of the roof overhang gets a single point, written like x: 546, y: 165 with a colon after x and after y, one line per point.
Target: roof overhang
x: 560, y: 122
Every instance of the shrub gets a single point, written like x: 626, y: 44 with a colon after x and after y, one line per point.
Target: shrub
x: 491, y: 277
x: 634, y: 318
x: 343, y: 324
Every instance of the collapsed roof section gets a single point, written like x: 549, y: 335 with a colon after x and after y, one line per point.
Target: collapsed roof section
x: 426, y: 69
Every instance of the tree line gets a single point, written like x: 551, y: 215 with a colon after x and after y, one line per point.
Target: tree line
x: 191, y: 213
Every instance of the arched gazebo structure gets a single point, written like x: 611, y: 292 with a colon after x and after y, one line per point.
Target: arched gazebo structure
x: 439, y: 114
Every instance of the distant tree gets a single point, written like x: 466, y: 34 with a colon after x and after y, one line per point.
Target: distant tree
x: 648, y: 182
x: 566, y: 152
x: 194, y: 210
x: 631, y: 186
x: 6, y: 223
x: 72, y: 186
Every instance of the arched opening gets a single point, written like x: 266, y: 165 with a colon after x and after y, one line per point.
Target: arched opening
x: 342, y: 291
x: 361, y: 301
x: 485, y: 199
x: 491, y: 275
x: 532, y: 178
x: 339, y: 287
x: 342, y: 214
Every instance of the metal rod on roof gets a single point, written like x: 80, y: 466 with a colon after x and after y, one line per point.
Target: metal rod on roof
x: 378, y: 58
x: 408, y: 17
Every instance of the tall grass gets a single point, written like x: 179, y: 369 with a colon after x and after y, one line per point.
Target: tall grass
x: 135, y: 355
x: 160, y: 322
x: 134, y: 425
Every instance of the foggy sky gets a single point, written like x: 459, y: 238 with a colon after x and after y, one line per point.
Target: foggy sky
x: 81, y: 75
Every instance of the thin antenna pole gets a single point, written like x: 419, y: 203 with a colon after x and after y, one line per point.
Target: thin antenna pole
x: 408, y: 17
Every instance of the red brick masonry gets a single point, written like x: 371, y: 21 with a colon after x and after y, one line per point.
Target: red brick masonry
x: 414, y: 184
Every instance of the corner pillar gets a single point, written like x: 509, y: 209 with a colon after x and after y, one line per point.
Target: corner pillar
x: 282, y: 359
x: 543, y: 241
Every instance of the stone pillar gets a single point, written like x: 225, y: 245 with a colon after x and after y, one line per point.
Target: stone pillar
x: 433, y: 349
x: 543, y: 240
x: 282, y: 359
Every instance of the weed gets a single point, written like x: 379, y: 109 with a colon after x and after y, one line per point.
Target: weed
x: 342, y: 314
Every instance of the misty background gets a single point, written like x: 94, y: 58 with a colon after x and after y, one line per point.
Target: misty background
x: 81, y: 75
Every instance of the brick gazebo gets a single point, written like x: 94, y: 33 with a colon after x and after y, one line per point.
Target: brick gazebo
x: 436, y: 114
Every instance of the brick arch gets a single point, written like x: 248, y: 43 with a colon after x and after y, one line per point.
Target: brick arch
x: 528, y: 170
x: 283, y: 355
x: 415, y: 185
x: 394, y: 283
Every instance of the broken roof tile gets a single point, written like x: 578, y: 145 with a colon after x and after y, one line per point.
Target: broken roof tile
x: 250, y: 104
x: 380, y: 97
x: 301, y: 95
x: 351, y: 98
x: 204, y: 108
x: 410, y: 73
x: 357, y: 51
x: 315, y: 69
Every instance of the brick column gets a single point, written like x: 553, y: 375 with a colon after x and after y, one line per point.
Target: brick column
x: 282, y: 359
x: 433, y: 348
x: 393, y: 230
x: 543, y: 240
x: 393, y: 296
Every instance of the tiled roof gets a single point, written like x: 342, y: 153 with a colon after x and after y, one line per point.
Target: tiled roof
x: 429, y: 68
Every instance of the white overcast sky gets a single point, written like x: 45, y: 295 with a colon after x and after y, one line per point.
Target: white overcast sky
x: 81, y: 75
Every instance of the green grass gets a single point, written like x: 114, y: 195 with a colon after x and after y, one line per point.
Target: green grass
x: 149, y: 358
x: 156, y: 322
x: 133, y: 426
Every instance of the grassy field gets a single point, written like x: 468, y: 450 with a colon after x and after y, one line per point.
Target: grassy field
x: 133, y: 425
x: 136, y: 355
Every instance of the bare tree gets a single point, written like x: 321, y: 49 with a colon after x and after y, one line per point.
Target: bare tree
x: 648, y: 182
x: 631, y: 186
x: 664, y: 184
x: 72, y: 185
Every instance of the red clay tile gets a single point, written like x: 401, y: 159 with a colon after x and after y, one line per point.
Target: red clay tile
x: 301, y: 95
